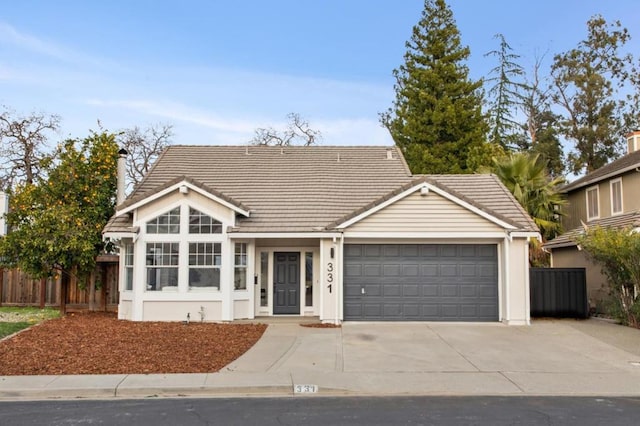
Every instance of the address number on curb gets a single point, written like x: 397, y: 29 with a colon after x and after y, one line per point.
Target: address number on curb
x: 305, y: 388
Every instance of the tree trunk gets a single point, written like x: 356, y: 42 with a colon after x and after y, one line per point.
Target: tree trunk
x: 43, y: 292
x: 64, y: 285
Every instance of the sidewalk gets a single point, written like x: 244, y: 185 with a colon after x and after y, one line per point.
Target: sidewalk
x: 577, y: 358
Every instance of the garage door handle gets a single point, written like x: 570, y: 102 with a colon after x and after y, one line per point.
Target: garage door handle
x: 362, y: 290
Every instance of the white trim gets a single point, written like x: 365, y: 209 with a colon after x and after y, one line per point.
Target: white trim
x: 525, y: 234
x: 611, y: 182
x: 426, y: 235
x: 119, y: 235
x: 586, y: 199
x: 438, y: 191
x: 239, y: 235
x: 177, y: 186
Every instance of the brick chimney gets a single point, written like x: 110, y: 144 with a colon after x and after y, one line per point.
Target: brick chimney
x: 120, y: 186
x: 633, y: 142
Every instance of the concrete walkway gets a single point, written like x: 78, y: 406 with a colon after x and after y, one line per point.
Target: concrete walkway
x: 585, y: 358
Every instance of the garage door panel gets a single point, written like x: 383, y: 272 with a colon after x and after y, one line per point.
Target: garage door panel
x: 431, y: 282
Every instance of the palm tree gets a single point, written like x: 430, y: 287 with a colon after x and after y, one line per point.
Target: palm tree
x: 526, y: 176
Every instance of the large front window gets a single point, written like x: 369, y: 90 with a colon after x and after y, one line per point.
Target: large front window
x: 592, y: 203
x: 204, y: 264
x: 162, y: 265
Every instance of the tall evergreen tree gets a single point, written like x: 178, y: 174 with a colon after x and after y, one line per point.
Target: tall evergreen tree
x: 436, y: 118
x: 505, y: 95
x: 540, y: 134
x: 590, y: 81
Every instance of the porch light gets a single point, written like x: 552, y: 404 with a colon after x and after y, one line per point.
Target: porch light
x: 424, y: 191
x: 184, y: 189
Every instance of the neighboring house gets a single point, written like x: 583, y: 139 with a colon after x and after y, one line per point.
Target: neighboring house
x: 341, y: 233
x: 609, y: 197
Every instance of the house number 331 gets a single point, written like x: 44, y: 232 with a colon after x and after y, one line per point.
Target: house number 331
x: 330, y: 276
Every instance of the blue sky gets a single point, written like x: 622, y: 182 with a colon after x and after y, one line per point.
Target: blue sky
x: 216, y: 69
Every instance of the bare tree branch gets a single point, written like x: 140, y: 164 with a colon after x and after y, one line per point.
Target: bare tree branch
x: 23, y: 145
x: 144, y: 146
x: 298, y: 131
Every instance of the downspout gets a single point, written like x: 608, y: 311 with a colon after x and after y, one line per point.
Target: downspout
x: 507, y: 277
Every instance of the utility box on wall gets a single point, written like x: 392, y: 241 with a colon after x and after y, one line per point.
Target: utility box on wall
x: 4, y: 208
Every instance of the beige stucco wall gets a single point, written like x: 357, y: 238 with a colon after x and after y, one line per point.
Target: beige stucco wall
x: 418, y: 213
x: 571, y: 257
x: 175, y: 310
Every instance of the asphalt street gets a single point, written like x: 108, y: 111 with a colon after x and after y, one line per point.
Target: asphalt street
x: 328, y: 411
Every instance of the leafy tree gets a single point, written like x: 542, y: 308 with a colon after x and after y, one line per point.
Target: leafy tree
x: 23, y: 140
x: 297, y: 131
x: 540, y: 130
x: 505, y: 95
x: 143, y: 147
x: 436, y: 118
x: 56, y: 222
x: 618, y: 253
x: 526, y: 177
x: 589, y: 85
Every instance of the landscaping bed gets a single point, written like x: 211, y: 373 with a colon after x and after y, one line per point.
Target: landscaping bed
x: 99, y: 343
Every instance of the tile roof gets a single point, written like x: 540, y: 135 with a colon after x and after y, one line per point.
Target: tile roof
x: 616, y: 167
x: 568, y: 239
x: 304, y: 189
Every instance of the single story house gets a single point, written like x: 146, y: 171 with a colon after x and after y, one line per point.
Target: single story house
x: 219, y: 233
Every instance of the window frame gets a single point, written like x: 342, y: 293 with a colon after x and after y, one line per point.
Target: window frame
x: 160, y: 266
x: 215, y: 255
x: 240, y: 266
x: 612, y: 183
x: 215, y: 224
x: 170, y: 215
x: 593, y: 189
x: 129, y: 262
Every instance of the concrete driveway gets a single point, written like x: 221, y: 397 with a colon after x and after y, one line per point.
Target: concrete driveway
x: 559, y: 357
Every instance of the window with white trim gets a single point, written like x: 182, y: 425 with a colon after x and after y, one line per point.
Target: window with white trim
x: 128, y: 267
x: 616, y: 196
x: 240, y: 267
x: 201, y: 223
x: 162, y: 265
x: 204, y: 264
x: 593, y: 211
x: 167, y: 223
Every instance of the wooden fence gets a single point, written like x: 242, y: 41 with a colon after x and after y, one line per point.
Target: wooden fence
x: 558, y: 292
x: 18, y: 289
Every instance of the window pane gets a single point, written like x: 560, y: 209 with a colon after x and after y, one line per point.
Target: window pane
x: 204, y: 277
x: 168, y: 223
x: 200, y: 223
x: 616, y: 197
x: 264, y: 278
x: 158, y: 278
x: 128, y: 278
x: 240, y: 278
x: 308, y: 280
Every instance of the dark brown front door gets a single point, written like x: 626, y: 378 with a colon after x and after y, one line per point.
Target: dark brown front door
x: 286, y: 283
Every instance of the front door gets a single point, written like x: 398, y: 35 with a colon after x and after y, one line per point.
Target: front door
x: 286, y: 283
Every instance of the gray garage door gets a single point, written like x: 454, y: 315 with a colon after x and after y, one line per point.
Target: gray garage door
x: 421, y: 282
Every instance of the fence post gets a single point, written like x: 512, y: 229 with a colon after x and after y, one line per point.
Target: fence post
x: 43, y: 292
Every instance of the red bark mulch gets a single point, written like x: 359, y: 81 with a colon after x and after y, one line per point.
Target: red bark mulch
x: 99, y: 343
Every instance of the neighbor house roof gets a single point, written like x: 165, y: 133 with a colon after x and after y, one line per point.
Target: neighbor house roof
x: 568, y: 239
x: 305, y: 189
x: 617, y: 167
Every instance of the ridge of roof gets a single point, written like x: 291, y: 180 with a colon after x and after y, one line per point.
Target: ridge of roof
x: 618, y: 166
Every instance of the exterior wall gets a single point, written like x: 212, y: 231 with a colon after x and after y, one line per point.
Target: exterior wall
x: 418, y: 213
x: 576, y: 211
x: 173, y: 310
x: 515, y: 282
x: 330, y: 281
x: 597, y: 285
x: 172, y: 304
